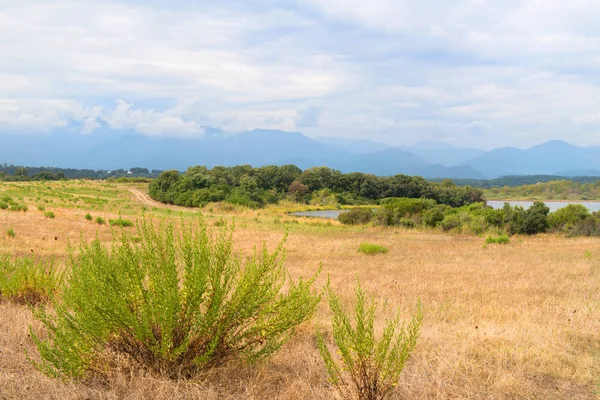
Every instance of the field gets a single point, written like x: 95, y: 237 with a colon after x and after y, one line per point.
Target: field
x: 516, y: 321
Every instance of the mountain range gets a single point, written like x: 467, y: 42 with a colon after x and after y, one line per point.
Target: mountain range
x: 109, y: 149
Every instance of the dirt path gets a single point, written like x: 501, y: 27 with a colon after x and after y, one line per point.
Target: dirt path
x: 145, y: 199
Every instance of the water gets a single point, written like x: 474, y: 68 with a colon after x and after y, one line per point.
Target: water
x: 329, y: 214
x: 553, y: 205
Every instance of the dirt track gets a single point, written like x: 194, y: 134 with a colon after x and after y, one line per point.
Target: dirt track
x: 145, y: 199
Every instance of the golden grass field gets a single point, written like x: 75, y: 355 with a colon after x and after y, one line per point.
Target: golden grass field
x: 520, y: 321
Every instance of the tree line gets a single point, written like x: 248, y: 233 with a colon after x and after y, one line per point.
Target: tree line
x: 16, y: 173
x: 257, y: 187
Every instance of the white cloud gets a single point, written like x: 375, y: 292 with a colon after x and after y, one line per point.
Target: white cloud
x: 476, y: 72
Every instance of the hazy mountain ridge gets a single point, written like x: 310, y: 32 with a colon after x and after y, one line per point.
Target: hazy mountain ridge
x: 109, y: 149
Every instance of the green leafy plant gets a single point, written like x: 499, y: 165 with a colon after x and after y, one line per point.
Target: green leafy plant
x: 27, y: 281
x: 11, y: 232
x: 100, y: 221
x: 88, y: 217
x: 365, y: 367
x: 41, y: 207
x: 176, y: 303
x: 18, y: 207
x: 370, y: 248
x: 502, y: 239
x: 120, y: 222
x: 49, y: 214
x: 356, y: 216
x: 3, y: 205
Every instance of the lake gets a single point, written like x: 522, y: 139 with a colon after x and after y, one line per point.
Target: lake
x: 553, y: 205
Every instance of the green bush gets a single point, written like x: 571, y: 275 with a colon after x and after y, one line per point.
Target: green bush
x: 502, y: 239
x: 434, y: 216
x: 587, y: 227
x: 18, y: 207
x: 451, y: 221
x: 362, y: 366
x: 11, y: 232
x: 176, y: 303
x: 356, y: 216
x: 41, y: 207
x: 100, y: 221
x: 120, y: 222
x: 27, y: 281
x: 49, y: 214
x: 88, y: 217
x: 370, y: 248
x: 565, y: 218
x: 3, y: 205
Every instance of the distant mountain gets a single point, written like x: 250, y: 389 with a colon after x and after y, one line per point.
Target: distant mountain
x: 546, y: 158
x: 108, y: 149
x: 354, y: 146
x: 579, y: 172
x: 432, y: 152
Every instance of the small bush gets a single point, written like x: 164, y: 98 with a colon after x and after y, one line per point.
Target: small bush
x: 3, y: 205
x: 18, y: 207
x: 40, y: 207
x: 100, y: 221
x: 502, y: 239
x: 366, y: 368
x: 88, y: 217
x: 123, y: 223
x: 11, y: 232
x: 370, y: 248
x: 177, y: 303
x: 356, y: 216
x: 49, y: 214
x: 27, y: 281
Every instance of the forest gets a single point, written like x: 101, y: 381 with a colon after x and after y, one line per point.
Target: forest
x: 257, y: 187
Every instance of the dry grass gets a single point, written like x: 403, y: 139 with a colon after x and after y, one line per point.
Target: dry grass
x: 503, y: 322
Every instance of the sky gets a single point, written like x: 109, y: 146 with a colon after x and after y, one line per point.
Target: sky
x: 472, y: 73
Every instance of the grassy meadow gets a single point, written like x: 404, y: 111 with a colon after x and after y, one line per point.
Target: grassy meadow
x: 513, y: 321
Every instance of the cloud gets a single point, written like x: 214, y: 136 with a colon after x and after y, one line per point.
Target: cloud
x: 475, y: 72
x: 308, y: 117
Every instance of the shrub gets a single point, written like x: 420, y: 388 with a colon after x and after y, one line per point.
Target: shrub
x: 370, y: 248
x: 18, y: 207
x: 587, y: 227
x: 11, y: 232
x: 406, y: 222
x: 88, y: 217
x: 366, y: 368
x: 434, y: 216
x: 450, y: 222
x: 177, y: 303
x: 356, y: 216
x: 49, y: 214
x: 3, y: 205
x: 120, y: 222
x: 502, y: 239
x: 27, y: 281
x: 535, y: 219
x: 565, y: 218
x: 41, y: 207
